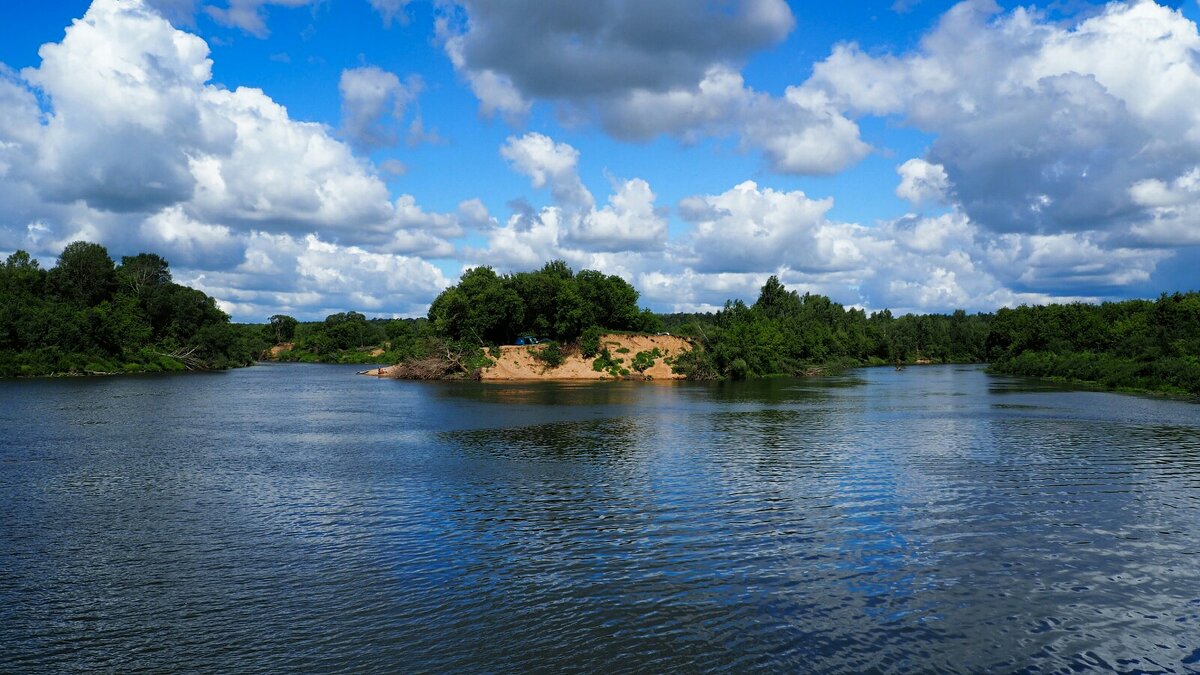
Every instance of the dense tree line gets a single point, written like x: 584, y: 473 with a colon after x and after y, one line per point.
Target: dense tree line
x: 784, y: 332
x: 89, y: 314
x: 1136, y: 344
x: 349, y: 337
x: 486, y: 308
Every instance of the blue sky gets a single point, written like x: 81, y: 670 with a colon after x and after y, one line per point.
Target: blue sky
x: 313, y: 156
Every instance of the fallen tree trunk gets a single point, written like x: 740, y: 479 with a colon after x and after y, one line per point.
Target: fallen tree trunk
x: 188, y: 359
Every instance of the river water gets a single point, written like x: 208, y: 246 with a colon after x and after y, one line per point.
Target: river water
x: 297, y: 518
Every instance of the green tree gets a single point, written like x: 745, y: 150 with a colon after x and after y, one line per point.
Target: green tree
x: 544, y: 298
x: 85, y: 274
x: 480, y: 309
x: 610, y: 300
x: 20, y: 261
x: 139, y: 273
x: 87, y: 314
x: 282, y: 328
x: 350, y: 329
x: 775, y: 301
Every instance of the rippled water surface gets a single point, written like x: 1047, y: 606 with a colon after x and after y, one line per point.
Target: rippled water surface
x: 291, y: 518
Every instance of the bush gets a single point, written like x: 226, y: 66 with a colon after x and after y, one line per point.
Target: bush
x: 644, y: 360
x: 738, y: 369
x: 551, y: 355
x: 605, y: 362
x: 589, y: 342
x: 694, y: 365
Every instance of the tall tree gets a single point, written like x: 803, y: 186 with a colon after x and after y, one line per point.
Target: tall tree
x: 139, y: 273
x: 85, y: 274
x: 282, y: 327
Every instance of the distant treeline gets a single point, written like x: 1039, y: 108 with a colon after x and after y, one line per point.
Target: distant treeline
x: 553, y: 302
x: 1135, y: 344
x: 90, y: 315
x: 349, y: 337
x: 784, y: 333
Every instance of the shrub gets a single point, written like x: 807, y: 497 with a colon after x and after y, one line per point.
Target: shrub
x: 738, y: 369
x: 551, y: 355
x: 605, y: 362
x: 694, y: 365
x: 589, y: 342
x: 644, y: 360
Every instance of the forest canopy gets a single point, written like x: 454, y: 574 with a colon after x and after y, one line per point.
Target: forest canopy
x: 487, y: 308
x: 89, y: 314
x: 785, y: 333
x: 348, y: 337
x: 1135, y: 344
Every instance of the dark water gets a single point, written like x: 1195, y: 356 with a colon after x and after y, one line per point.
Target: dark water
x: 294, y: 518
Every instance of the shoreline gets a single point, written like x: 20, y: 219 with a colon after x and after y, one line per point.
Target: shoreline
x: 388, y: 372
x: 629, y: 357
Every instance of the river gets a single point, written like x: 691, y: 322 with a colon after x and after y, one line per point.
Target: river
x: 297, y: 518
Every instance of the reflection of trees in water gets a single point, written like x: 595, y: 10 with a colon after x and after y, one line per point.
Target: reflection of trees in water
x: 604, y: 440
x: 780, y: 390
x: 551, y: 393
x: 759, y: 433
x: 525, y: 482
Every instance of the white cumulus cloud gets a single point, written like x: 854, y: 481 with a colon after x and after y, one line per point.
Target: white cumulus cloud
x: 629, y: 222
x: 1040, y: 126
x: 547, y: 163
x: 139, y: 150
x: 922, y: 182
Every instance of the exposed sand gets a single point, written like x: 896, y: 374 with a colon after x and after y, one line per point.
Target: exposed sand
x: 279, y: 348
x: 517, y: 363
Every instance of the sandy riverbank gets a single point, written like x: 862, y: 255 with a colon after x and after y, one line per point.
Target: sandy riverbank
x: 519, y: 363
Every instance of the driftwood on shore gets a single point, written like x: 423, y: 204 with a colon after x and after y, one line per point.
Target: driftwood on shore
x: 428, y: 368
